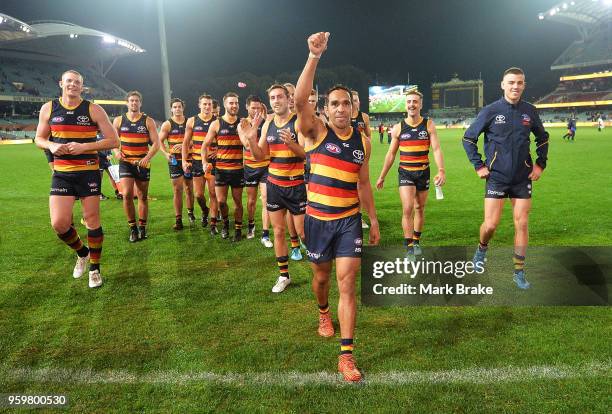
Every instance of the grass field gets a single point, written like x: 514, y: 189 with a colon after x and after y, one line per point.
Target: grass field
x: 185, y: 323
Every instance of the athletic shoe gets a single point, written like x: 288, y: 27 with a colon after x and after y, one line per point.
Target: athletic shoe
x: 119, y: 196
x: 326, y: 327
x: 479, y: 257
x: 178, y: 225
x: 191, y: 218
x: 204, y: 221
x: 103, y: 197
x: 364, y: 225
x: 80, y: 266
x: 267, y: 242
x: 410, y: 254
x: 95, y: 280
x: 417, y: 249
x: 213, y: 230
x: 133, y: 234
x: 281, y: 284
x: 224, y: 233
x: 237, y: 236
x: 302, y: 245
x: 251, y: 233
x: 296, y: 254
x: 519, y: 279
x: 348, y: 369
x: 142, y: 233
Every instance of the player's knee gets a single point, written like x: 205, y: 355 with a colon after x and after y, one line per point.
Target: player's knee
x: 346, y: 287
x: 60, y: 224
x: 222, y: 205
x: 408, y: 210
x: 521, y: 223
x: 489, y: 226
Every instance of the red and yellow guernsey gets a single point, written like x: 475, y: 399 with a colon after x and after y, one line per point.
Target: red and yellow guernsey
x: 285, y: 169
x: 200, y: 130
x: 229, y: 146
x: 414, y: 145
x: 176, y: 136
x: 73, y: 124
x: 249, y: 159
x: 134, y: 138
x: 334, y: 172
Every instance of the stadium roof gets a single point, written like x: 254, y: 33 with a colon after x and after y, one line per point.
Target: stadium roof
x: 583, y: 14
x: 14, y: 29
x: 65, y: 41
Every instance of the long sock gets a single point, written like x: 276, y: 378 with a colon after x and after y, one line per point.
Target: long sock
x: 132, y: 223
x: 251, y: 225
x: 483, y: 246
x: 408, y: 243
x: 213, y: 222
x: 72, y: 239
x: 142, y: 222
x: 295, y: 242
x: 238, y: 225
x: 519, y: 262
x: 416, y: 237
x: 190, y: 211
x: 283, y: 265
x: 95, y: 238
x: 346, y: 346
x: 226, y: 222
x: 202, y: 204
x: 265, y: 233
x: 323, y: 309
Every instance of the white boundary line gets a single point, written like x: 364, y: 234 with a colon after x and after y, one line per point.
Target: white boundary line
x: 291, y: 379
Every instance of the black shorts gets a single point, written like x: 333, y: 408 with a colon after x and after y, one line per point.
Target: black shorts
x: 129, y: 170
x: 196, y: 168
x: 231, y: 178
x: 76, y: 184
x: 418, y: 179
x: 254, y: 176
x: 495, y: 189
x: 49, y: 155
x: 289, y: 198
x: 176, y: 171
x: 329, y: 239
x: 104, y: 162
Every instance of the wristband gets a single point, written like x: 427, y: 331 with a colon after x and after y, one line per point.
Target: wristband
x: 312, y: 55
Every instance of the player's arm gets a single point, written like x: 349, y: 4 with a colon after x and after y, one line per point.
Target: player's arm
x: 211, y: 135
x: 263, y: 141
x: 366, y: 121
x: 117, y: 125
x: 541, y: 141
x: 247, y: 132
x: 164, y: 130
x: 43, y: 132
x: 310, y: 125
x: 470, y: 143
x: 109, y: 140
x: 155, y: 144
x: 187, y: 138
x: 365, y: 194
x: 390, y: 157
x: 440, y: 178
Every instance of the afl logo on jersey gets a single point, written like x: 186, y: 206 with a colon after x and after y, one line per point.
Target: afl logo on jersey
x: 405, y: 136
x: 83, y: 118
x: 224, y: 131
x: 58, y: 119
x: 198, y: 128
x: 333, y: 148
x: 125, y: 128
x: 270, y: 138
x: 141, y: 129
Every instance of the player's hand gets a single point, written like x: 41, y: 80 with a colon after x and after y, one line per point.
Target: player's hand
x: 75, y: 148
x: 285, y: 136
x: 536, y: 172
x: 119, y: 155
x: 440, y: 178
x: 374, y: 232
x: 212, y: 154
x: 380, y: 183
x: 167, y: 155
x: 58, y: 149
x: 145, y: 161
x: 205, y: 166
x: 483, y: 172
x: 186, y: 166
x: 177, y: 148
x: 317, y: 43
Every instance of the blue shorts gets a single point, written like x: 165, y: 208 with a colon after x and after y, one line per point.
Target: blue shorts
x: 329, y: 239
x: 495, y: 189
x: 291, y: 198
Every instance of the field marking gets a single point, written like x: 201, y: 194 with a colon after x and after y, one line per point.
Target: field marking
x: 291, y: 379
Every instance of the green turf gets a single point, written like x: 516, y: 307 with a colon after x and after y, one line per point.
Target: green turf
x: 183, y: 302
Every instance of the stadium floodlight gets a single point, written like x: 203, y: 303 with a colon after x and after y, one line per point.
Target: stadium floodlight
x: 108, y: 39
x: 541, y: 16
x: 564, y: 6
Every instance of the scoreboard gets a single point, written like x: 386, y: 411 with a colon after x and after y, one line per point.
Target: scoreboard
x: 457, y: 94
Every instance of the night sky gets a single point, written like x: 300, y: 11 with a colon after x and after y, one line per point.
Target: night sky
x: 388, y: 39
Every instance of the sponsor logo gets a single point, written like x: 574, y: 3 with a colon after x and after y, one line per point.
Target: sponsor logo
x: 525, y: 119
x: 174, y: 131
x: 59, y: 190
x: 423, y: 135
x: 494, y: 192
x: 500, y: 119
x: 312, y: 255
x: 141, y: 129
x: 333, y: 148
x: 91, y: 162
x: 58, y: 119
x: 344, y: 144
x: 70, y: 112
x: 357, y: 249
x: 358, y: 154
x: 224, y: 131
x: 529, y: 186
x: 272, y: 205
x: 83, y: 119
x: 125, y: 128
x: 404, y: 181
x: 414, y: 130
x: 358, y: 242
x: 92, y: 185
